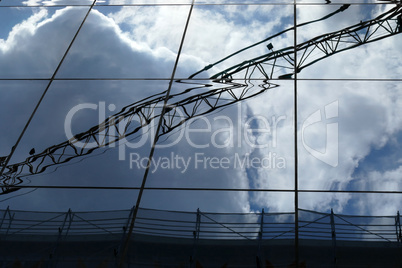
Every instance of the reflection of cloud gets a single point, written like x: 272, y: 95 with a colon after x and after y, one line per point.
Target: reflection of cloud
x: 24, y: 55
x: 384, y: 204
x: 56, y: 2
x: 368, y: 118
x: 214, y: 31
x: 369, y: 113
x: 101, y: 50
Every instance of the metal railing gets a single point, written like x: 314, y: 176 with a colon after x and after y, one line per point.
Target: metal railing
x: 203, y: 225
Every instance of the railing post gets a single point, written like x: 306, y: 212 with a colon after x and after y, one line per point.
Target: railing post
x: 69, y: 216
x: 125, y: 227
x: 398, y: 228
x: 333, y: 234
x: 196, y: 235
x: 11, y: 218
x: 260, y: 235
x: 3, y: 238
x: 4, y: 216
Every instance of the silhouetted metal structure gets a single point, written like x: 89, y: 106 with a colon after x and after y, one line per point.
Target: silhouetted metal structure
x: 177, y: 238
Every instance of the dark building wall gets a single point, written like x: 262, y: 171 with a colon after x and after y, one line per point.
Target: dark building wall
x: 151, y: 251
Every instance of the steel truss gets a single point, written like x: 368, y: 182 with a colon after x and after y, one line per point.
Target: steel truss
x: 385, y: 25
x: 129, y: 121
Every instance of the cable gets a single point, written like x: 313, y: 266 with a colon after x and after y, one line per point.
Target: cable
x: 68, y: 187
x: 33, y: 190
x: 154, y: 141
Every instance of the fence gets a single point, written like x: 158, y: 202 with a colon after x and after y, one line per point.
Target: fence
x: 203, y: 225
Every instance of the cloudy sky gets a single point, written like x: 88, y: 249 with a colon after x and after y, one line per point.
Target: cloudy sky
x: 349, y: 106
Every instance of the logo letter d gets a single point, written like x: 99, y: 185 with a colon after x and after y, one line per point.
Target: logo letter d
x: 330, y: 154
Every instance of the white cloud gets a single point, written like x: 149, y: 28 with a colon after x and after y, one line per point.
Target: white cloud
x: 384, y: 204
x: 132, y: 43
x: 23, y: 52
x: 214, y: 32
x: 56, y: 2
x: 102, y: 50
x: 368, y: 117
x: 24, y: 28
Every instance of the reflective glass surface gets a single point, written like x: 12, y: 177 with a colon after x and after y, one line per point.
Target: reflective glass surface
x: 229, y: 106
